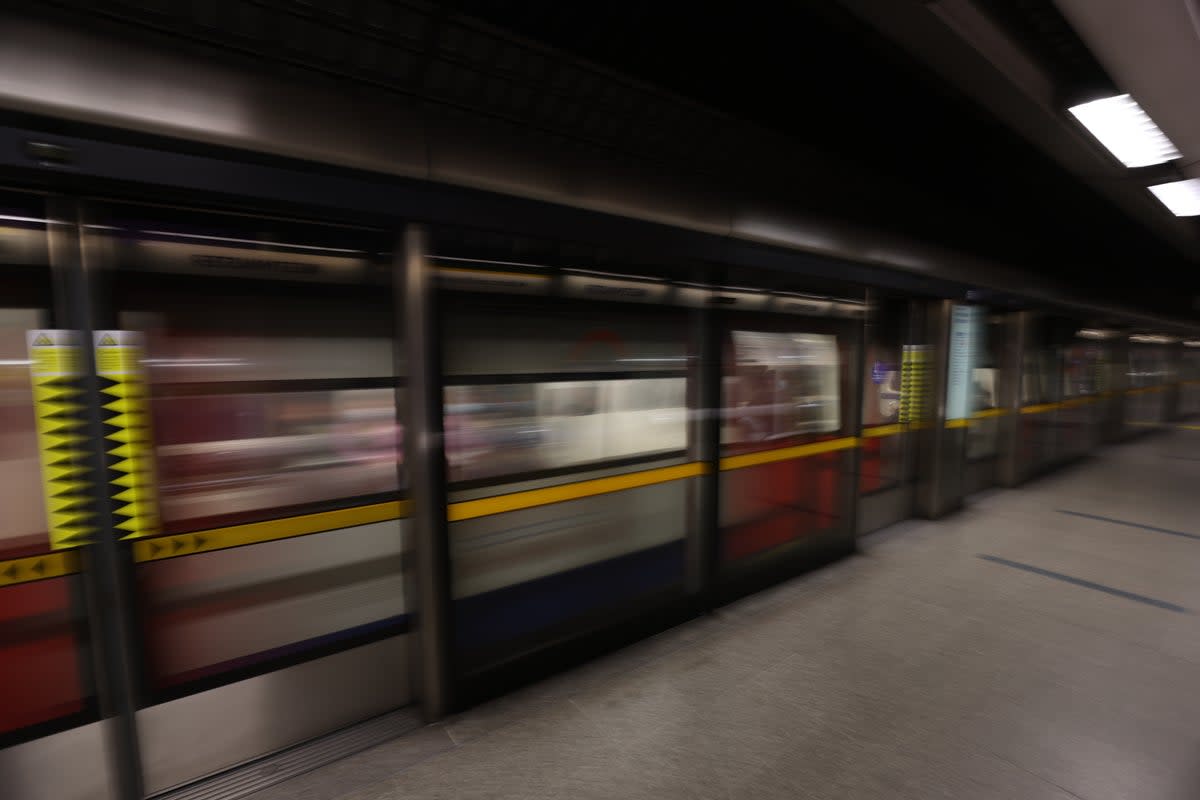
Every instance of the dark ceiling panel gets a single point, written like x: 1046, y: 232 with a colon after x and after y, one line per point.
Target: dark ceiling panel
x: 816, y: 74
x: 1051, y: 41
x: 856, y: 129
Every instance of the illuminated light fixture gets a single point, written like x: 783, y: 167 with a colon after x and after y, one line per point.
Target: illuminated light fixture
x: 1150, y: 338
x: 203, y: 237
x: 1121, y: 125
x: 1192, y: 343
x: 1093, y: 333
x: 1182, y: 198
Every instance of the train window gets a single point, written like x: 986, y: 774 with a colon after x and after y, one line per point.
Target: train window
x: 40, y: 628
x: 781, y: 385
x: 22, y: 515
x: 247, y: 423
x: 882, y: 385
x: 555, y: 392
x: 1039, y: 377
x: 882, y: 463
x: 1147, y: 366
x: 1189, y: 390
x: 303, y: 337
x: 520, y: 338
x: 271, y: 362
x: 536, y: 390
x: 504, y: 429
x: 229, y: 456
x: 283, y: 400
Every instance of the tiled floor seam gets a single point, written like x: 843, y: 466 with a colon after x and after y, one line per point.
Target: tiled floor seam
x: 1091, y: 629
x: 1027, y: 771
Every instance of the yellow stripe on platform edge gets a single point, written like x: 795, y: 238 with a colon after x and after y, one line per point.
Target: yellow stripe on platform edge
x: 788, y: 453
x: 38, y: 568
x: 516, y: 501
x: 1039, y: 408
x: 186, y: 544
x: 879, y: 431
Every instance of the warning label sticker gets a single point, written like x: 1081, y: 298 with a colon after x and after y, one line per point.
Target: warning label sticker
x: 54, y: 354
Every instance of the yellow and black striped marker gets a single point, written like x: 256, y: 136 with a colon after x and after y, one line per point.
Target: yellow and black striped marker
x: 58, y: 404
x: 914, y: 384
x: 128, y: 445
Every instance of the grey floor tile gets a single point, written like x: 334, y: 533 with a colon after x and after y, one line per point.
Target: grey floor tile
x: 555, y: 753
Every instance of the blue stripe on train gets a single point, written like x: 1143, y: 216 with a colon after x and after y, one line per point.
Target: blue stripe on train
x: 525, y: 608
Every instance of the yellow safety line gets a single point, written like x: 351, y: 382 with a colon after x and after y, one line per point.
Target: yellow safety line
x: 185, y: 544
x: 38, y: 568
x: 788, y: 453
x: 957, y: 423
x: 988, y: 413
x: 515, y: 501
x: 1038, y: 409
x: 878, y: 431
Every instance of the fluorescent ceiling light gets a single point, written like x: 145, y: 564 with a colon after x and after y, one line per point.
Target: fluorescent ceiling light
x: 1121, y: 125
x: 1095, y: 333
x: 1150, y: 338
x: 1192, y: 343
x: 1182, y: 198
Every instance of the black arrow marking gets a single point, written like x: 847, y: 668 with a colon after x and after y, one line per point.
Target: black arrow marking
x: 176, y: 545
x: 39, y: 567
x: 199, y: 541
x: 155, y: 547
x: 11, y: 572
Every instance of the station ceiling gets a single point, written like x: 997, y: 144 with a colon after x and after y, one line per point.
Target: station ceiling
x: 957, y: 107
x: 845, y: 78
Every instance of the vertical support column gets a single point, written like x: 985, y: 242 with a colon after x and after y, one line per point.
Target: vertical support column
x: 853, y: 458
x: 704, y: 407
x: 1059, y: 442
x: 1171, y: 411
x: 1118, y: 428
x: 424, y: 446
x: 104, y: 563
x: 938, y: 469
x: 1011, y: 366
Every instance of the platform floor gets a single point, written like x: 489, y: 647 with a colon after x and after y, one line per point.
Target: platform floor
x: 1016, y: 650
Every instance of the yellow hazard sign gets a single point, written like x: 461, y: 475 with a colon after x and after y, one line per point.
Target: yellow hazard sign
x: 128, y: 444
x: 57, y: 402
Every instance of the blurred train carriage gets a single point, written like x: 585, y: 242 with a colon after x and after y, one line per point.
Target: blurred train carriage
x: 620, y: 450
